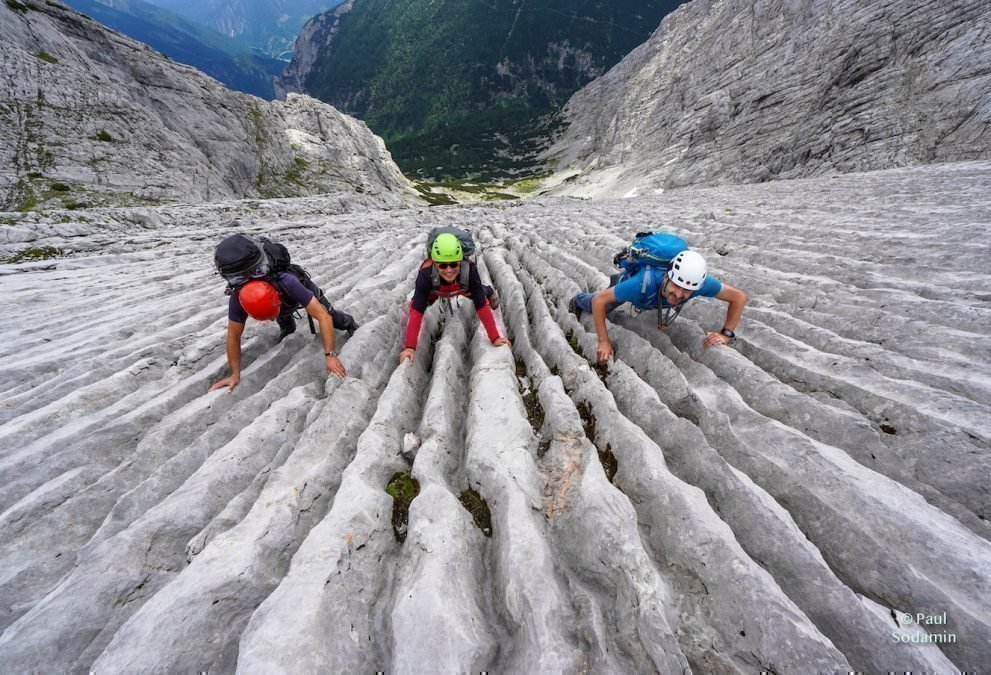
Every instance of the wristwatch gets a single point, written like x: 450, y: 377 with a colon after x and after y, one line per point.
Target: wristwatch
x: 728, y: 333
x: 334, y: 354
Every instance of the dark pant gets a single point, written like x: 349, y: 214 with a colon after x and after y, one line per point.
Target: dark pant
x: 342, y: 320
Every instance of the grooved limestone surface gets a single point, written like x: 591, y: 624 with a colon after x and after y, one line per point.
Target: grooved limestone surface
x: 782, y: 504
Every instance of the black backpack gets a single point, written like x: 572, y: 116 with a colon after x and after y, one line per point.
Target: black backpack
x: 240, y: 254
x: 278, y: 256
x: 237, y: 254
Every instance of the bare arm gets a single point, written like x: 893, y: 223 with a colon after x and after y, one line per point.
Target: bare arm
x: 737, y: 300
x: 600, y: 301
x: 322, y: 316
x: 234, y: 331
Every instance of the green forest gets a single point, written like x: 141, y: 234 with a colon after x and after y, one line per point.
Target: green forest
x: 468, y: 88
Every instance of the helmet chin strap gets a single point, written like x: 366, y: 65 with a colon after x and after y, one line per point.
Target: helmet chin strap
x: 666, y: 316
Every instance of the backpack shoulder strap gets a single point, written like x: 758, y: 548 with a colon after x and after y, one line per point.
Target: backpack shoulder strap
x: 434, y: 275
x: 278, y: 285
x: 648, y: 276
x: 465, y: 273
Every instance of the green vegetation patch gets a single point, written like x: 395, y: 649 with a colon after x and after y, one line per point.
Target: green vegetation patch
x: 34, y: 253
x: 403, y: 489
x: 102, y: 135
x: 609, y: 462
x: 588, y: 419
x: 433, y: 198
x: 456, y: 89
x: 534, y: 411
x: 573, y: 342
x: 479, y: 510
x: 528, y: 185
x: 45, y: 56
x: 295, y: 172
x: 17, y: 6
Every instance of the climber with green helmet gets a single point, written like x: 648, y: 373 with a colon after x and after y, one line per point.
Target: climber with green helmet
x: 447, y: 273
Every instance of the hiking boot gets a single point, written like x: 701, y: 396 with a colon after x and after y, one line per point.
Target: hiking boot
x: 344, y: 322
x: 574, y: 309
x: 494, y: 301
x: 287, y: 325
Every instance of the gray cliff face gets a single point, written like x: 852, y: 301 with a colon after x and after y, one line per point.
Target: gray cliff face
x: 730, y: 91
x: 89, y: 117
x: 316, y: 35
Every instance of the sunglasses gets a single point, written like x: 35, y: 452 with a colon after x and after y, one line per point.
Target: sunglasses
x: 448, y: 265
x: 239, y: 279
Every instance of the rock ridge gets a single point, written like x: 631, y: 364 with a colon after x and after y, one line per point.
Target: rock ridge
x: 89, y: 117
x: 727, y: 91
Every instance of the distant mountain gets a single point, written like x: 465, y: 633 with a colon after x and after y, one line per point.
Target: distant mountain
x: 270, y: 26
x: 453, y: 83
x: 728, y: 91
x: 187, y: 42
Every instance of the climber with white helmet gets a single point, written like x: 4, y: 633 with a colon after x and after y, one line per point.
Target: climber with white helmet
x: 651, y: 282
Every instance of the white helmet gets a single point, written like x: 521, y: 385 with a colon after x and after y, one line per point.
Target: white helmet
x: 688, y: 270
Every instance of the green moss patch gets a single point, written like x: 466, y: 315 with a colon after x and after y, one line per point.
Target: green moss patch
x: 479, y: 510
x: 34, y: 253
x: 534, y: 411
x: 609, y: 462
x: 45, y: 56
x: 573, y: 341
x: 588, y: 420
x: 433, y: 198
x: 403, y: 489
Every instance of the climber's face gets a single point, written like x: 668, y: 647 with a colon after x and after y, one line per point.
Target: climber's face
x: 673, y: 293
x: 448, y: 270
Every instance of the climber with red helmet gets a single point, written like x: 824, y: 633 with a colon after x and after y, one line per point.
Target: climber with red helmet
x: 263, y: 284
x: 665, y: 288
x: 447, y: 274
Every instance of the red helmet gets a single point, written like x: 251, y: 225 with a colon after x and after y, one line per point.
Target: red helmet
x: 259, y: 300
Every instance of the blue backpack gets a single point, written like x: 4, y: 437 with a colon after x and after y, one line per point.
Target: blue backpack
x: 654, y: 249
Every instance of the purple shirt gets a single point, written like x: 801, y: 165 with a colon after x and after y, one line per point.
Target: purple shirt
x: 292, y: 296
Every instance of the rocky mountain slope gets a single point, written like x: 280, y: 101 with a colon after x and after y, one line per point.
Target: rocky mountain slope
x: 812, y: 499
x: 732, y: 91
x: 89, y: 117
x: 427, y: 76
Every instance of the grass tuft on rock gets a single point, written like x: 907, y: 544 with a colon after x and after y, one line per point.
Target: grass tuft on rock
x: 531, y: 401
x: 32, y: 254
x: 403, y: 489
x: 609, y: 462
x: 479, y: 510
x: 588, y: 420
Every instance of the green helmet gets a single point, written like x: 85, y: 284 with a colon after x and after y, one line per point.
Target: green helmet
x: 446, y: 248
